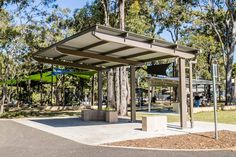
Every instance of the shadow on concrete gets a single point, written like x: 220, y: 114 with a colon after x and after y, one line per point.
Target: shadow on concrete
x: 174, y: 126
x: 74, y: 122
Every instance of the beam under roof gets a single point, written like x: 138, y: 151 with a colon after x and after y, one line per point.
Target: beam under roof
x: 96, y: 56
x: 58, y: 57
x: 114, y: 51
x: 131, y: 56
x: 143, y: 61
x: 80, y: 60
x: 93, y: 45
x: 143, y: 45
x: 118, y: 50
x: 81, y: 66
x: 156, y: 58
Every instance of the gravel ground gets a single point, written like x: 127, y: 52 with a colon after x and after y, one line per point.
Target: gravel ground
x: 17, y: 140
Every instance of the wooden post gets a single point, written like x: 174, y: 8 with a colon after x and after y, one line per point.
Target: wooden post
x: 99, y: 89
x: 182, y: 92
x: 191, y: 92
x: 132, y: 92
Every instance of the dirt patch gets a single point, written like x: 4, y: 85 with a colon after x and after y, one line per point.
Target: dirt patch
x: 227, y: 139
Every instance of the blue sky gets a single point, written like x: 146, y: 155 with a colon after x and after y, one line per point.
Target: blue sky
x: 72, y: 4
x: 75, y: 4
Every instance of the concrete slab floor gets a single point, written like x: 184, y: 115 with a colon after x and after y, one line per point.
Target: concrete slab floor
x: 97, y: 133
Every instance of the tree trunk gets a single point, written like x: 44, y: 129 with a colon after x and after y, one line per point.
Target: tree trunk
x: 122, y: 14
x: 4, y: 94
x: 110, y: 74
x: 128, y: 99
x: 230, y: 57
x: 123, y: 73
x: 228, y: 70
x: 4, y: 90
x: 2, y: 102
x: 117, y: 89
x: 105, y: 4
x: 110, y: 89
x: 123, y: 102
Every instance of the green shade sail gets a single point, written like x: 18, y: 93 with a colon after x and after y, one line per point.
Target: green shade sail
x: 48, y: 78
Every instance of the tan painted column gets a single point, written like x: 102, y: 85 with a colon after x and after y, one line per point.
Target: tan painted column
x: 191, y: 92
x: 132, y: 93
x: 100, y: 90
x: 182, y: 94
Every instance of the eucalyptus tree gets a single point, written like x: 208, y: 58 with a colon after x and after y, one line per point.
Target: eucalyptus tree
x: 220, y: 16
x: 209, y: 49
x: 173, y: 16
x: 123, y: 72
x: 138, y: 19
x: 89, y: 15
x: 6, y: 34
x: 110, y: 73
x: 30, y: 26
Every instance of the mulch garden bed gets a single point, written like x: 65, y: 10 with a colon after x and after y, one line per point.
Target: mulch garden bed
x: 227, y: 140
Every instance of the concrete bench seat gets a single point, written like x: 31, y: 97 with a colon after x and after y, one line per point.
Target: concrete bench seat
x: 154, y: 123
x: 176, y: 107
x: 169, y: 108
x: 100, y: 115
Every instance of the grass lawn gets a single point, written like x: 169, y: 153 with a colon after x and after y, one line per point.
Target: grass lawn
x: 228, y: 117
x: 36, y: 113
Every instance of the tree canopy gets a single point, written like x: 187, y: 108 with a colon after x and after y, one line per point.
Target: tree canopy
x: 30, y: 25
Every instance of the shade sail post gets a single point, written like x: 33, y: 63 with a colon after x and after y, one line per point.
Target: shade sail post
x: 132, y: 92
x: 41, y: 84
x: 92, y: 93
x: 52, y: 86
x: 182, y: 94
x: 149, y: 96
x: 99, y: 89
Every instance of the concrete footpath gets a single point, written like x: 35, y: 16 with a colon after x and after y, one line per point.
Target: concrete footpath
x: 17, y: 140
x: 97, y: 133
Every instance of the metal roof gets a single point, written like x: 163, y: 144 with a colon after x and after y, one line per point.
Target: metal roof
x: 105, y: 47
x: 174, y: 81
